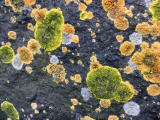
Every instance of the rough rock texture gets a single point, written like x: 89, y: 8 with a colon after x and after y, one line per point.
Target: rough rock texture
x: 22, y: 88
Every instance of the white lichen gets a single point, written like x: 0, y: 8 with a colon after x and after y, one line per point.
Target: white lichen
x: 67, y: 38
x: 136, y: 38
x: 85, y: 94
x: 54, y: 59
x: 17, y: 63
x: 131, y: 108
x: 148, y: 2
x: 132, y: 65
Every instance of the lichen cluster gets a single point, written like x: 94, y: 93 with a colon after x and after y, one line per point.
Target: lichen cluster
x: 116, y: 11
x: 148, y: 62
x: 57, y: 71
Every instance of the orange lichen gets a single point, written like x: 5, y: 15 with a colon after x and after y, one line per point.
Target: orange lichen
x: 144, y: 45
x: 121, y: 23
x: 146, y: 60
x: 105, y: 103
x: 39, y: 14
x: 143, y: 28
x: 72, y: 107
x: 156, y: 46
x: 94, y: 65
x: 127, y: 70
x: 75, y: 39
x: 82, y: 7
x: 68, y: 1
x: 90, y: 15
x: 30, y: 26
x: 155, y: 30
x: 34, y: 46
x: 57, y: 71
x: 25, y: 55
x: 29, y: 69
x: 127, y: 48
x: 77, y: 78
x: 153, y: 90
x: 74, y: 102
x: 113, y: 117
x: 29, y: 3
x: 12, y: 35
x: 88, y: 2
x: 64, y: 49
x: 116, y: 13
x: 119, y: 38
x: 68, y: 28
x: 87, y: 118
x: 112, y: 4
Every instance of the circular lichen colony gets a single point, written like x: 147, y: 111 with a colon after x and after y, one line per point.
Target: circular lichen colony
x: 103, y: 82
x: 49, y: 31
x: 6, y: 54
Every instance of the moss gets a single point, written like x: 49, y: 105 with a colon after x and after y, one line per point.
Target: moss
x: 155, y: 9
x: 6, y: 54
x: 10, y: 110
x: 103, y: 82
x: 49, y: 31
x: 17, y: 3
x: 124, y: 92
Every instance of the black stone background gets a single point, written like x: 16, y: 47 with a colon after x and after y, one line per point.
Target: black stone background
x: 38, y: 87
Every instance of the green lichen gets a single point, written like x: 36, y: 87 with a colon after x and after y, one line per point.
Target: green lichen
x: 6, y: 54
x: 10, y: 110
x: 155, y: 9
x: 17, y: 3
x: 124, y: 92
x: 83, y: 15
x: 103, y: 82
x: 49, y: 31
x: 106, y: 83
